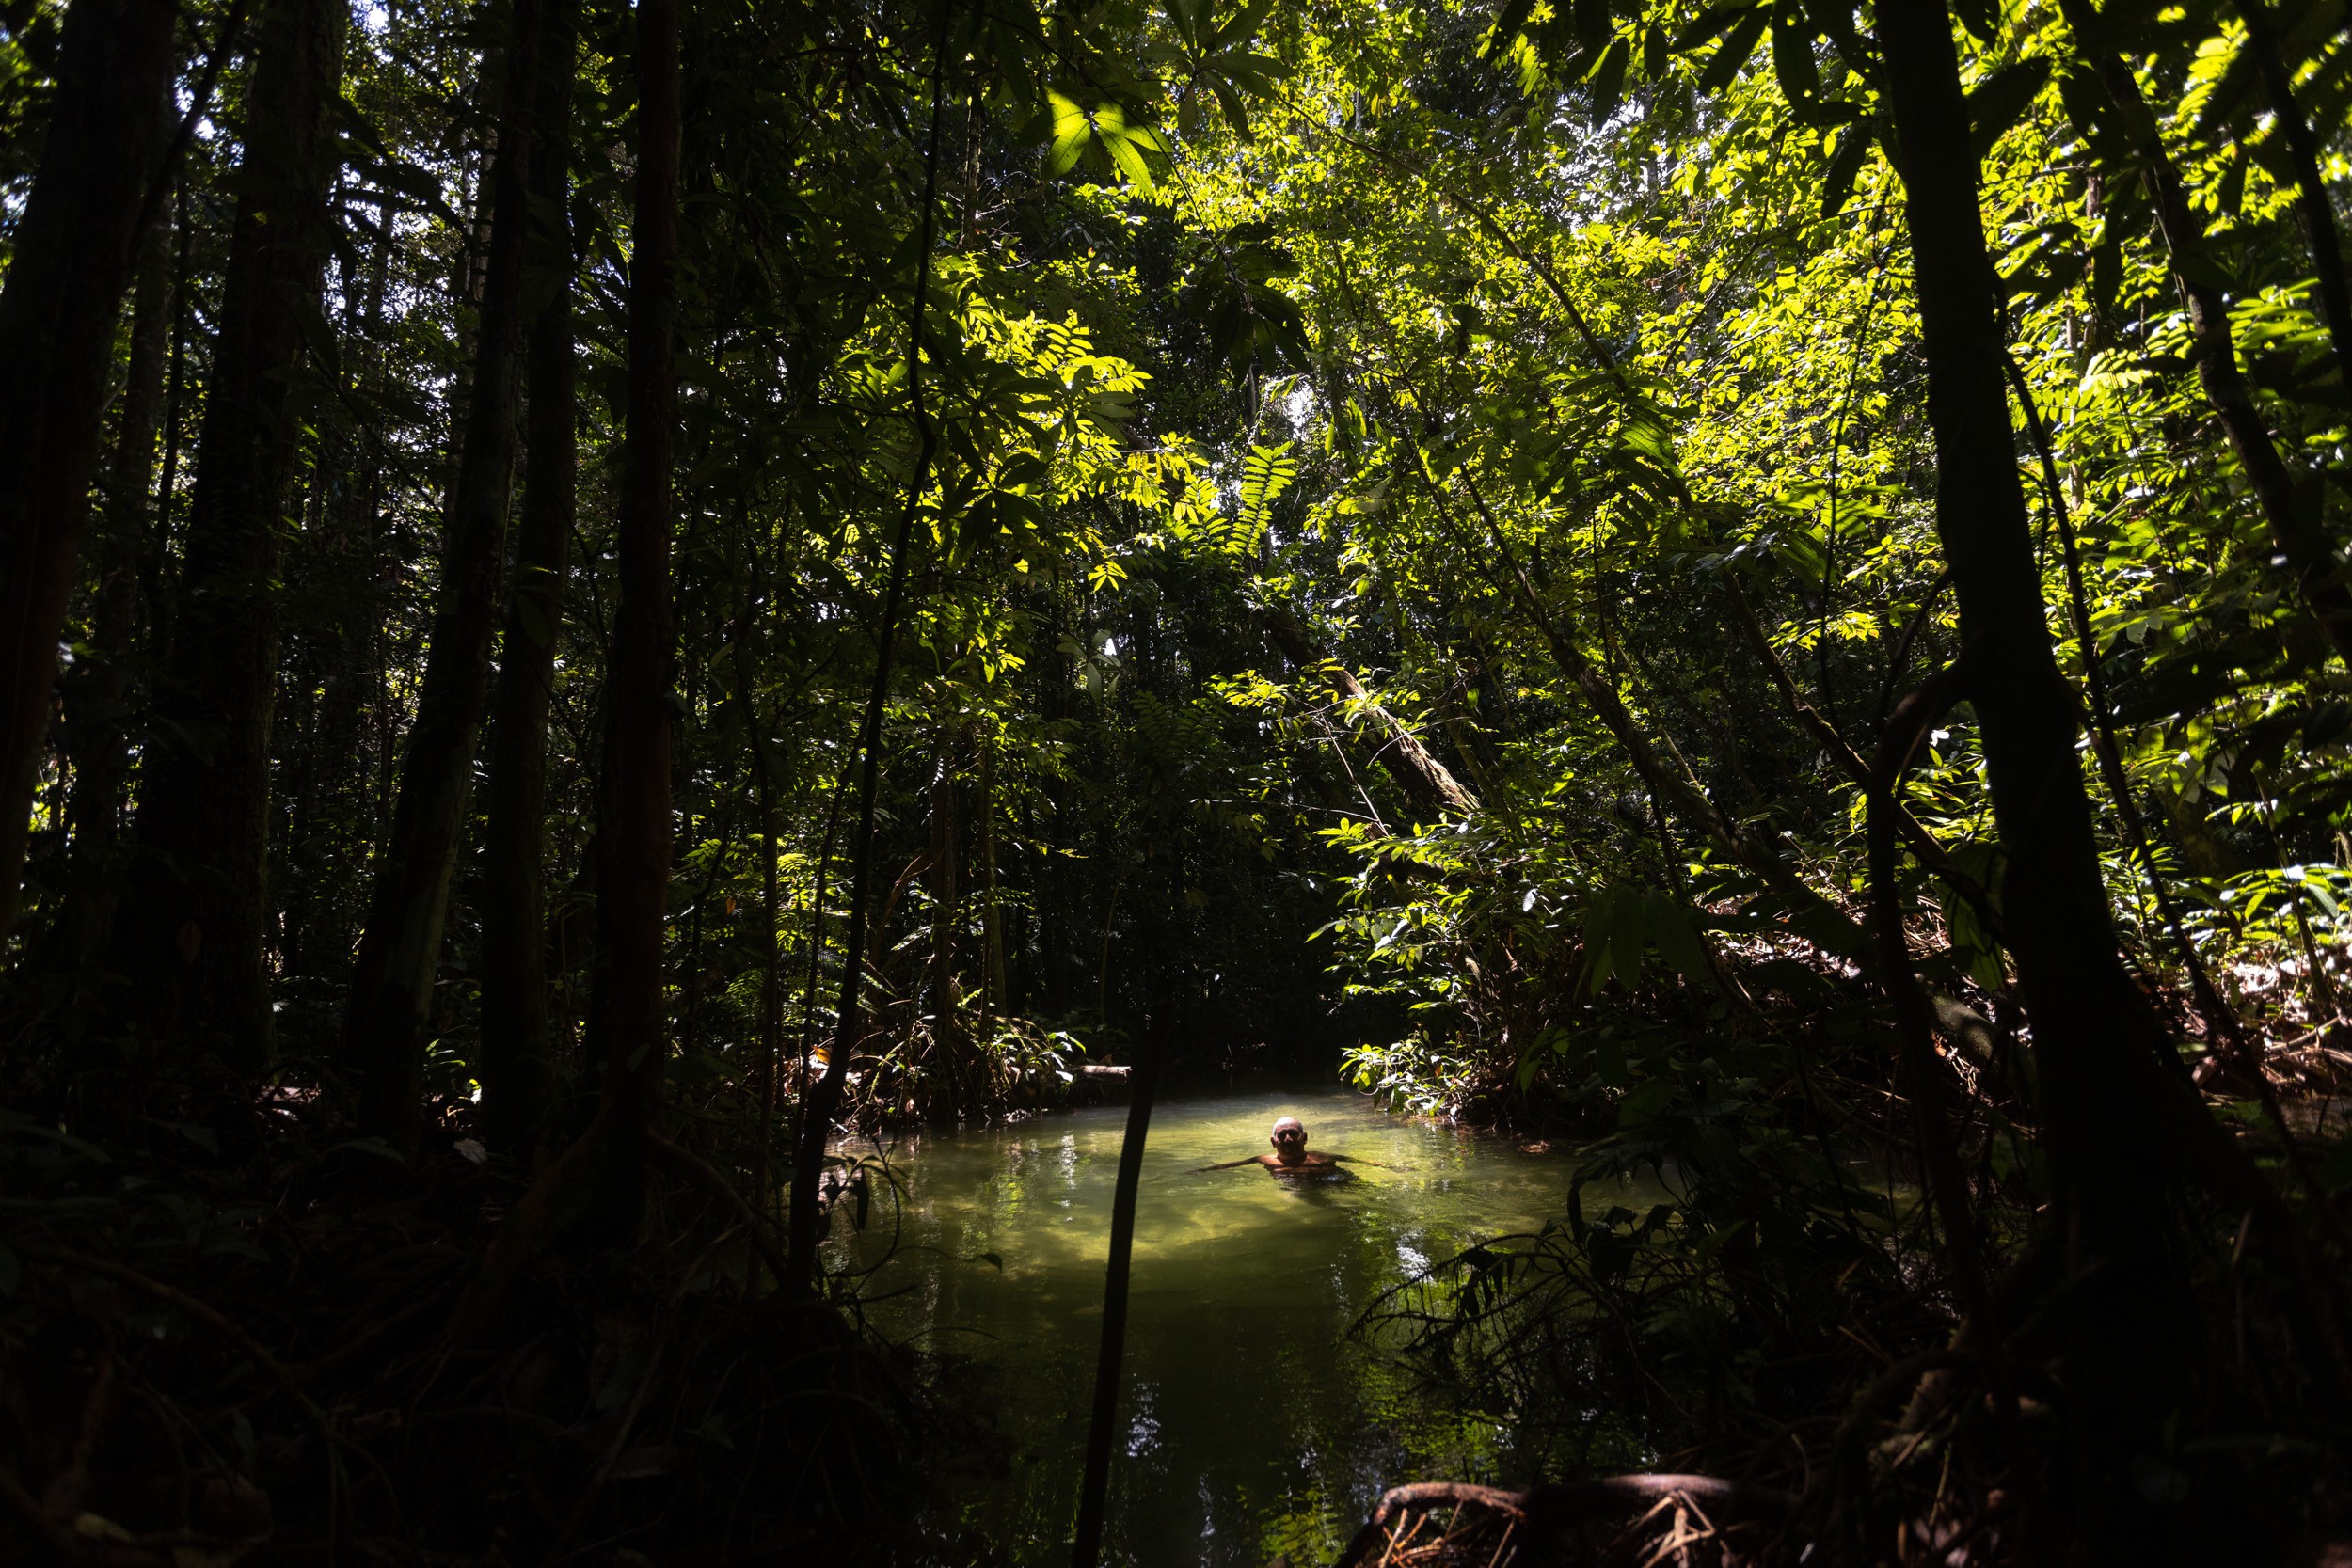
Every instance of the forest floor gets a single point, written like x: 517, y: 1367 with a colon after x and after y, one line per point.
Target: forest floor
x: 230, y: 1331
x: 230, y: 1341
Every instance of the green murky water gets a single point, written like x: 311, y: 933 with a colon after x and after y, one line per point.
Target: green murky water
x: 1252, y: 1425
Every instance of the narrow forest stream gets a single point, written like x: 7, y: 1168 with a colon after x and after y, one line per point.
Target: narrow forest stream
x: 1254, y: 1426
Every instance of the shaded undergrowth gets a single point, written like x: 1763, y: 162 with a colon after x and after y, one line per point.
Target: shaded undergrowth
x: 226, y: 1332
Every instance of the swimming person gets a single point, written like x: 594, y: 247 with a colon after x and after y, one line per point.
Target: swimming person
x: 1292, y: 1157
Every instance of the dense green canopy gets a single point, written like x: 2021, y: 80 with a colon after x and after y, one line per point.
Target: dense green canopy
x: 1763, y: 584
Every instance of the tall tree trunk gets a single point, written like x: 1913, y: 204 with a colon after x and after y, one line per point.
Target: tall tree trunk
x: 2121, y: 1131
x: 518, y: 1043
x: 330, y: 836
x: 196, y: 935
x: 995, y: 997
x: 946, y: 867
x: 625, y: 1029
x: 385, y: 1019
x: 771, y: 985
x: 68, y: 266
x: 96, y: 696
x: 154, y: 585
x: 824, y: 1097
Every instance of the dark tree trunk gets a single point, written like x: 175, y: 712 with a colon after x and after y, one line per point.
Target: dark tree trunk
x: 197, y: 932
x: 1094, y: 1475
x: 331, y: 832
x: 2121, y: 1131
x: 518, y: 1044
x: 155, y: 586
x: 2067, y: 956
x: 946, y: 993
x: 68, y: 266
x: 97, y: 695
x: 387, y: 1021
x: 626, y: 1026
x: 824, y: 1096
x: 995, y: 996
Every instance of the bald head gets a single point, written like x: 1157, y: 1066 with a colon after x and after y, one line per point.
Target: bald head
x: 1289, y: 1140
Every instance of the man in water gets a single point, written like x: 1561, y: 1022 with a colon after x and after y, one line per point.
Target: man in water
x: 1292, y: 1157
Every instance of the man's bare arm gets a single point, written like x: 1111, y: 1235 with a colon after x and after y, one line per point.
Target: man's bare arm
x: 1227, y: 1165
x: 1360, y: 1160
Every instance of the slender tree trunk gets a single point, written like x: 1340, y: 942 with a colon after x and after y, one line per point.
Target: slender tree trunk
x: 518, y: 1043
x: 2292, y: 500
x: 386, y: 1019
x: 947, y: 866
x: 68, y: 265
x: 1053, y: 950
x: 996, y: 996
x: 332, y: 839
x: 96, y: 696
x: 824, y: 1096
x: 197, y: 937
x: 625, y: 1030
x: 770, y: 988
x: 155, y: 586
x: 1103, y: 1420
x: 2121, y: 1131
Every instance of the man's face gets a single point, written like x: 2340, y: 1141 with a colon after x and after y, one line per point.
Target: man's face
x: 1290, y: 1139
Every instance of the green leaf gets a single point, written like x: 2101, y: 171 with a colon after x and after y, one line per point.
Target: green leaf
x: 1609, y: 80
x: 1845, y: 164
x: 1710, y: 24
x: 1243, y: 23
x: 1228, y: 100
x: 1983, y: 18
x: 1598, y: 919
x: 2106, y: 270
x: 1129, y: 157
x: 1680, y: 947
x: 1508, y: 25
x: 1073, y: 130
x: 1792, y: 59
x: 2001, y: 98
x: 2086, y: 103
x: 1644, y: 1102
x: 2199, y: 270
x: 1737, y: 46
x: 1628, y: 935
x: 1591, y: 21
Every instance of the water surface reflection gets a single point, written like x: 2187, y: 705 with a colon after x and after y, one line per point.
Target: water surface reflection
x: 1253, y: 1427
